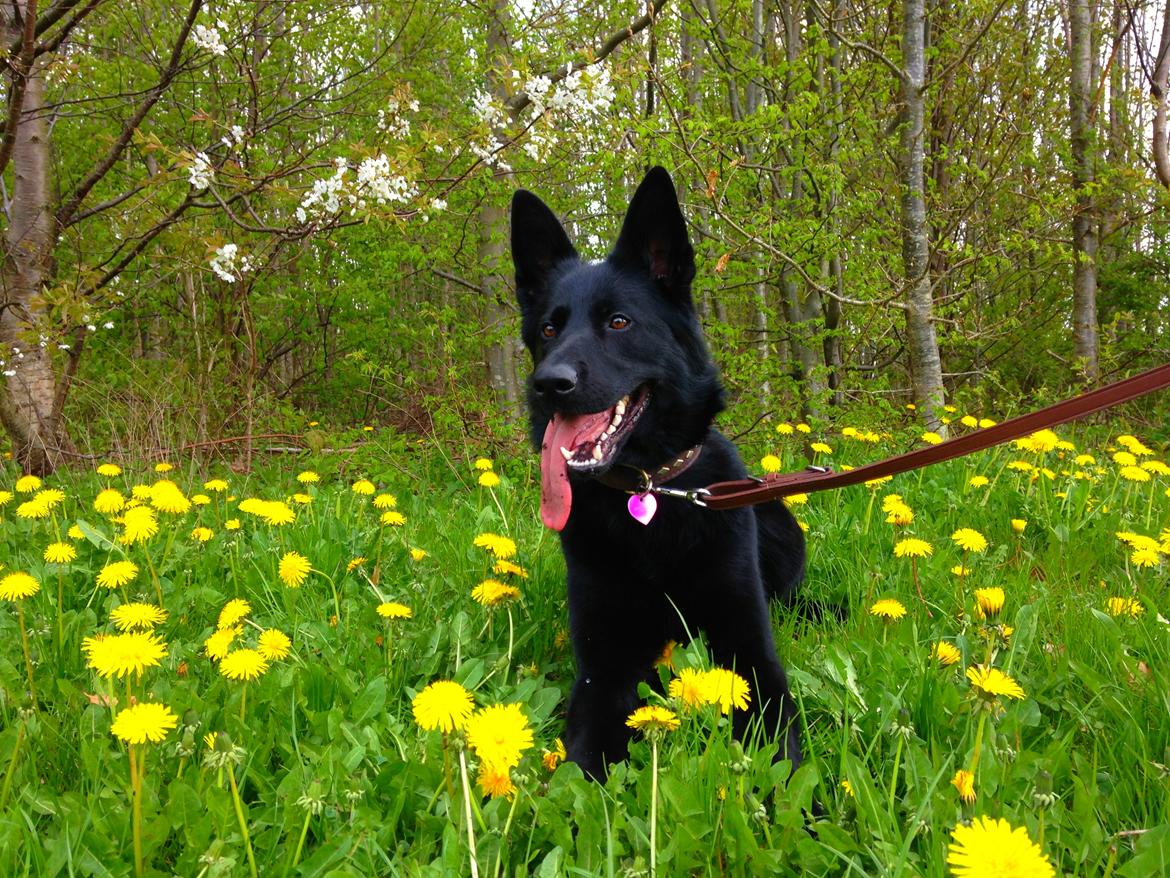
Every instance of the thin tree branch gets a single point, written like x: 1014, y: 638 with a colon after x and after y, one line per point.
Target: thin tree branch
x: 66, y: 211
x: 518, y: 102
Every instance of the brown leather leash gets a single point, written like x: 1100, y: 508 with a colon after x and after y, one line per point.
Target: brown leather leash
x: 773, y: 486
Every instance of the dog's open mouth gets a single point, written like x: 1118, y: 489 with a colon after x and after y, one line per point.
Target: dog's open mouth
x: 584, y: 444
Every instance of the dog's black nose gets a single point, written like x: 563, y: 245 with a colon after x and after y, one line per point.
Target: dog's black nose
x: 555, y: 379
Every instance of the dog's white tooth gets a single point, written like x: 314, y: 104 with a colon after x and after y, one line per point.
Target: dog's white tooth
x: 597, y: 452
x: 620, y: 408
x: 617, y: 420
x: 566, y: 453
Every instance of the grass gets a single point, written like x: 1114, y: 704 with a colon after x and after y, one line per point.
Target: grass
x: 317, y: 767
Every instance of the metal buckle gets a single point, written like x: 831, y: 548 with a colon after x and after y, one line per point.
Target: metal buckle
x: 818, y: 469
x: 691, y: 495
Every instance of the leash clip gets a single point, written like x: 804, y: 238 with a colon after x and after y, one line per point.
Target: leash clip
x: 696, y: 496
x: 811, y: 468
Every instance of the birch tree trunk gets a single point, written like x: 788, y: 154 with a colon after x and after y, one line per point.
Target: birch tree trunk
x: 1158, y: 92
x: 1084, y: 230
x: 29, y: 403
x: 925, y: 362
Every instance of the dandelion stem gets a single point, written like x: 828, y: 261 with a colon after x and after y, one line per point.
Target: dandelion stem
x: 32, y: 689
x: 503, y: 517
x: 300, y: 843
x: 978, y: 740
x: 136, y: 812
x: 467, y: 815
x: 508, y: 666
x: 243, y: 700
x: 11, y: 771
x: 653, y: 806
x: 243, y: 823
x: 154, y: 576
x: 894, y: 774
x: 60, y: 611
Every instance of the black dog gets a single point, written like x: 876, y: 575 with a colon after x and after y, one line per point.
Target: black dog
x: 623, y: 389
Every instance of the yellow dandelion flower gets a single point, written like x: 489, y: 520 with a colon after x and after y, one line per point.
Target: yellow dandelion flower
x: 888, y: 609
x: 302, y: 499
x: 137, y: 616
x: 803, y: 428
x: 991, y: 683
x: 144, y: 722
x: 488, y: 479
x: 990, y: 600
x: 691, y: 688
x: 294, y: 569
x: 165, y: 496
x: 417, y: 554
x: 1019, y: 525
x: 912, y: 547
x: 848, y: 788
x: 363, y: 487
x: 878, y: 482
x: 1134, y: 474
x: 243, y: 664
x: 978, y: 481
x: 442, y: 705
x: 393, y: 518
x: 232, y: 524
x: 931, y: 438
x: 216, y: 486
x: 354, y: 564
x: 138, y: 525
x: 969, y: 421
x: 990, y: 848
x: 501, y: 547
x: 32, y: 509
x: 555, y: 756
x: 1144, y: 558
x: 821, y: 448
x: 278, y: 513
x: 116, y: 574
x: 492, y: 592
x: 499, y: 735
x: 74, y: 533
x: 394, y: 610
x: 1122, y: 606
x: 784, y: 429
x: 273, y: 644
x: 653, y: 718
x: 1124, y: 458
x: 202, y: 534
x: 1085, y: 460
x: 482, y: 464
x: 1021, y: 466
x: 27, y: 484
x: 308, y: 477
x: 120, y: 655
x: 946, y: 654
x: 900, y: 514
x: 59, y: 553
x: 233, y: 611
x: 18, y: 586
x: 109, y: 501
x: 495, y: 782
x: 770, y: 463
x: 964, y: 782
x: 1156, y: 467
x: 728, y: 689
x: 163, y: 467
x: 507, y: 568
x: 220, y: 643
x: 5, y: 498
x: 969, y: 540
x: 796, y: 499
x: 109, y: 470
x: 385, y: 501
x: 961, y: 571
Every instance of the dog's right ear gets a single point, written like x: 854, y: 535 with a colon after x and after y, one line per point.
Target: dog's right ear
x: 539, y: 244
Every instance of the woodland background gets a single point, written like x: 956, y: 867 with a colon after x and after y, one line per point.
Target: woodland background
x: 226, y: 218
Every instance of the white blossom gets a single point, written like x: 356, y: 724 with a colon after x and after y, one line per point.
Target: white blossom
x: 228, y: 264
x: 208, y: 38
x: 201, y: 174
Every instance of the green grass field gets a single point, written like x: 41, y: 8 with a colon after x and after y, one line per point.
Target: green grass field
x: 305, y: 758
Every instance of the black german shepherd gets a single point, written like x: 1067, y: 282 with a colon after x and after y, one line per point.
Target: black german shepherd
x: 623, y: 391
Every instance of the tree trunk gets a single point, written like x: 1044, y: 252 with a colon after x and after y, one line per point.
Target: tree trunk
x: 1158, y: 90
x: 922, y: 342
x: 29, y: 407
x: 1084, y: 231
x: 500, y: 319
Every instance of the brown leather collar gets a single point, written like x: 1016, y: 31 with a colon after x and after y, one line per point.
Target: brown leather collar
x: 636, y: 481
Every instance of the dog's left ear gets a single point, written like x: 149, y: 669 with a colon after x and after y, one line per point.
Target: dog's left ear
x: 654, y: 235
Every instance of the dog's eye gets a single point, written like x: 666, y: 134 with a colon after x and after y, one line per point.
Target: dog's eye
x: 619, y: 322
x: 548, y: 330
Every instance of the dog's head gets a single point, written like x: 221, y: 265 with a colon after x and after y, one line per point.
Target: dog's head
x: 620, y: 370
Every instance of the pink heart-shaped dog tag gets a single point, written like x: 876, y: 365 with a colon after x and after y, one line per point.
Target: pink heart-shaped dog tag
x: 642, y: 507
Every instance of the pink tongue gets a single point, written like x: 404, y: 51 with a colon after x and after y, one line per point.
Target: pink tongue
x: 556, y: 496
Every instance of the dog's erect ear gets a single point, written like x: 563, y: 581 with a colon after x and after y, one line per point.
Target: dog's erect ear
x: 539, y: 244
x: 654, y: 235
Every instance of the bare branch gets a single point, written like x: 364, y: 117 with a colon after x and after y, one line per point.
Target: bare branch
x: 103, y: 166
